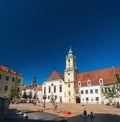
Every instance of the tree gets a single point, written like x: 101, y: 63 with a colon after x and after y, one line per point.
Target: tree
x: 14, y: 93
x: 113, y: 91
x: 35, y: 96
x: 30, y: 95
x: 44, y: 97
x: 24, y: 95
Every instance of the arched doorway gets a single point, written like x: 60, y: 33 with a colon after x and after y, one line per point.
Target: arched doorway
x: 77, y: 99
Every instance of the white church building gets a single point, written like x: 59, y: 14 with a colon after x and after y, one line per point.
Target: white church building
x: 74, y: 87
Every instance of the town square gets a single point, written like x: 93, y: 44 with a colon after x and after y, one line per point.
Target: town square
x: 59, y: 61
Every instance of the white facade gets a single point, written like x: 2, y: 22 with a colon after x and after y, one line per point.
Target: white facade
x: 90, y: 94
x: 54, y: 89
x: 39, y: 95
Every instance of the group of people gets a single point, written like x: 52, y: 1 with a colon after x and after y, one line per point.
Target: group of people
x: 85, y: 115
x: 54, y: 102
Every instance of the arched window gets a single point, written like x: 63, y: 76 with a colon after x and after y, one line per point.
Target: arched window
x: 101, y: 81
x: 89, y: 83
x: 79, y: 84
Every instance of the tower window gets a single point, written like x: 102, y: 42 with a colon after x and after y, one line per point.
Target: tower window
x: 68, y: 60
x: 60, y: 88
x: 68, y: 73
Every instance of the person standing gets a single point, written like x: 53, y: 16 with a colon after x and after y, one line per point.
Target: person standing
x: 55, y: 105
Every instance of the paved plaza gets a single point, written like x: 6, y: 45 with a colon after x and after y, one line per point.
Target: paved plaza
x: 102, y: 113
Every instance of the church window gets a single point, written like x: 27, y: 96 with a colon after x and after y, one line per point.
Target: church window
x: 54, y: 89
x: 60, y: 88
x: 49, y: 89
x: 89, y: 83
x: 44, y: 90
x: 69, y: 93
x: 68, y: 73
x: 68, y: 85
x: 51, y: 84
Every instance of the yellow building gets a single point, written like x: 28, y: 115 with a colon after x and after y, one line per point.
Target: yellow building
x: 8, y: 78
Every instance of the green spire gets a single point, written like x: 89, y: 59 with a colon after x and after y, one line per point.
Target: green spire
x: 70, y: 53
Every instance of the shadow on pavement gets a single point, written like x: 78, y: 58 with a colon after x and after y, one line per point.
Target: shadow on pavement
x: 48, y: 117
x: 98, y: 118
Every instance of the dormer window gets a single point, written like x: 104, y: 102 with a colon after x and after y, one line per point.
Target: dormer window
x: 89, y: 83
x: 101, y: 81
x: 79, y: 84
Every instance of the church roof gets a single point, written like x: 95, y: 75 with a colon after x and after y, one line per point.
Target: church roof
x: 106, y: 74
x: 55, y: 75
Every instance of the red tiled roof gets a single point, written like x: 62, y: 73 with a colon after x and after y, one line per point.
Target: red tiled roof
x: 6, y: 69
x: 106, y: 74
x: 38, y: 88
x: 55, y: 75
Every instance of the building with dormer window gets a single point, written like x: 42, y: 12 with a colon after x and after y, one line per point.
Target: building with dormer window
x: 74, y: 87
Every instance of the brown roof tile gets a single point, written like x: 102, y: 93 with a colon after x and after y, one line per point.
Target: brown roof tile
x: 38, y: 88
x: 106, y: 74
x: 6, y: 69
x: 55, y: 75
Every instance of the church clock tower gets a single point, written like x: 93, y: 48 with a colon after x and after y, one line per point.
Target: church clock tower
x: 70, y: 76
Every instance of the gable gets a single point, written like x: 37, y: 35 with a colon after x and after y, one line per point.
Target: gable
x: 55, y: 75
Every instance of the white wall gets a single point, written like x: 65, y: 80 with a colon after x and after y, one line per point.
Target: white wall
x: 56, y: 83
x: 91, y: 97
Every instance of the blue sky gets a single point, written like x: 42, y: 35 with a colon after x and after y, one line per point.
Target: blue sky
x: 35, y: 36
